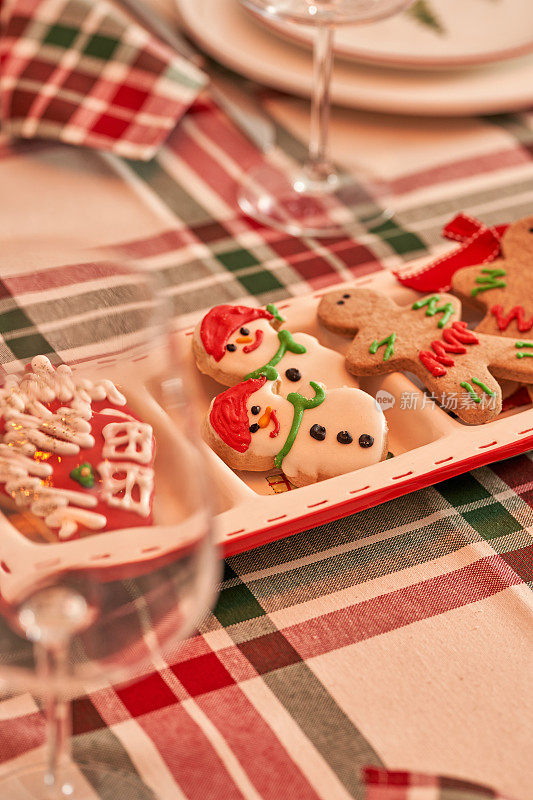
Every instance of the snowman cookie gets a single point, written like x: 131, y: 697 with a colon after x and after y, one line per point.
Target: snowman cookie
x: 503, y: 288
x: 251, y: 426
x: 233, y: 343
x: 73, y: 457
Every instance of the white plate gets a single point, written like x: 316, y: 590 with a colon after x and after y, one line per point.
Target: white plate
x: 230, y: 35
x: 460, y: 34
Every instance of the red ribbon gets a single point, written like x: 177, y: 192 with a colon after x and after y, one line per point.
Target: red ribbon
x: 479, y: 245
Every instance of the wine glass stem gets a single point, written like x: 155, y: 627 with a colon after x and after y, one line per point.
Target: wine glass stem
x: 318, y: 166
x: 53, y: 665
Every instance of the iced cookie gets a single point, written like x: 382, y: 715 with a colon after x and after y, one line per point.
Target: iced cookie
x: 73, y: 457
x: 428, y: 338
x: 331, y: 432
x: 232, y: 343
x: 503, y: 288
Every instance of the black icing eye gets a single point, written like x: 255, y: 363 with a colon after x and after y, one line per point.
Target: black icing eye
x: 340, y: 302
x: 245, y: 331
x: 254, y: 428
x: 293, y: 374
x: 255, y: 410
x: 231, y: 347
x: 531, y: 230
x: 318, y: 432
x: 343, y: 437
x: 365, y: 440
x: 346, y: 296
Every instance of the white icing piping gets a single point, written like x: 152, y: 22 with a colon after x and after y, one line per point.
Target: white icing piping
x: 13, y: 462
x: 30, y: 426
x: 102, y: 389
x: 61, y: 434
x: 112, y: 412
x: 134, y: 437
x: 135, y: 475
x: 53, y: 504
x: 67, y: 518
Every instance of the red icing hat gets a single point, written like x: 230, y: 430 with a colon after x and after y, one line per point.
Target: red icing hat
x: 229, y: 416
x: 219, y: 323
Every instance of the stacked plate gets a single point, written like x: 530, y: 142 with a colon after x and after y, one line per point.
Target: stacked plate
x: 441, y: 57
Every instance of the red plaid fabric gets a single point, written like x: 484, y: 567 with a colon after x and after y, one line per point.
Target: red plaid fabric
x: 82, y: 73
x: 382, y: 784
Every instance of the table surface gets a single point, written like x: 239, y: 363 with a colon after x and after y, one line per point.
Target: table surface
x: 399, y: 637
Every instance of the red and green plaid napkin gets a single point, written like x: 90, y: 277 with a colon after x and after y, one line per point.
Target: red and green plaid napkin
x: 82, y: 73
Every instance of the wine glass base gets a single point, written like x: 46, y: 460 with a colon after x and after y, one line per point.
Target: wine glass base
x: 80, y: 781
x: 304, y: 205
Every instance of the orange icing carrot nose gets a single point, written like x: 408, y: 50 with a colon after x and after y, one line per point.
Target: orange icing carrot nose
x: 265, y: 419
x: 243, y: 339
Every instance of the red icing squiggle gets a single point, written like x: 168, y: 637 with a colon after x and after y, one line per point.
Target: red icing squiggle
x: 454, y: 339
x: 457, y: 336
x: 229, y: 415
x: 275, y: 419
x: 255, y: 344
x: 516, y: 313
x: 440, y: 350
x: 219, y: 323
x: 432, y: 363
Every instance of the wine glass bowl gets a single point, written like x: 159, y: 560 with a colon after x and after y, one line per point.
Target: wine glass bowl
x: 333, y: 12
x: 108, y: 558
x: 316, y: 199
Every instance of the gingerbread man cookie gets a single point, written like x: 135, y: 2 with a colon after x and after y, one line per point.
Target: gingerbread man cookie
x: 252, y: 427
x: 429, y: 339
x: 232, y: 343
x: 503, y: 288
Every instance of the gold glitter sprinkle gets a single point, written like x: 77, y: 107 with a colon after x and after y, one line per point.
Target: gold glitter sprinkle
x: 41, y: 455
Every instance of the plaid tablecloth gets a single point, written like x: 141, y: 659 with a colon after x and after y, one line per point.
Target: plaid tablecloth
x: 351, y: 660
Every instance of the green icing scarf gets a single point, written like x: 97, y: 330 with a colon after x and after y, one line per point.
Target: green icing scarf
x: 286, y: 344
x: 300, y: 404
x: 298, y: 401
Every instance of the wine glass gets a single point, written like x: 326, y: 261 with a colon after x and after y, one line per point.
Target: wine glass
x: 316, y: 199
x: 108, y: 560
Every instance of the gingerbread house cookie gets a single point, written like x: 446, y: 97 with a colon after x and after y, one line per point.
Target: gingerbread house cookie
x: 74, y: 458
